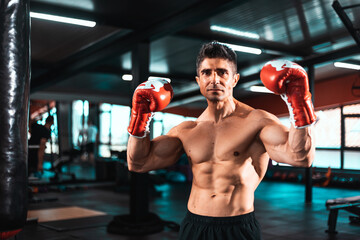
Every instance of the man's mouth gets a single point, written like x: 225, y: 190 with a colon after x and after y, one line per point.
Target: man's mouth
x: 214, y: 90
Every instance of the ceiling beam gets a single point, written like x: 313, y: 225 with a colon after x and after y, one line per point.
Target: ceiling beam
x: 330, y: 56
x: 101, y: 19
x: 355, y: 33
x: 332, y: 37
x: 95, y: 54
x: 303, y: 23
x: 280, y: 48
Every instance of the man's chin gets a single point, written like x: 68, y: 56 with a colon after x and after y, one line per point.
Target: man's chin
x: 214, y: 99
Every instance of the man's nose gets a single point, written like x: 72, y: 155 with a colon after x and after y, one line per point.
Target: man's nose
x: 215, y: 79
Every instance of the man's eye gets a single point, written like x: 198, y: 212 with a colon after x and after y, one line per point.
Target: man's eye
x: 221, y: 72
x: 206, y: 72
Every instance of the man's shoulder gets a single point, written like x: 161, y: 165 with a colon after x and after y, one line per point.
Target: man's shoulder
x: 263, y: 117
x: 253, y: 114
x: 187, y: 125
x: 245, y: 111
x: 260, y: 113
x: 179, y: 129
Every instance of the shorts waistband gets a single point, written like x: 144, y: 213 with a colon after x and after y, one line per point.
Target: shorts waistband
x: 244, y: 218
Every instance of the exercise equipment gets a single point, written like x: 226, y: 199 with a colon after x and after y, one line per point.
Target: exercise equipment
x: 14, y: 108
x: 350, y: 204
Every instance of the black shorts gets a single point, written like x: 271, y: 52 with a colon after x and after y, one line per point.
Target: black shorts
x: 33, y: 160
x: 90, y: 147
x: 242, y: 227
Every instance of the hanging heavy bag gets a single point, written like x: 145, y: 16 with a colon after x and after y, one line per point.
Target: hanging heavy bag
x: 14, y: 98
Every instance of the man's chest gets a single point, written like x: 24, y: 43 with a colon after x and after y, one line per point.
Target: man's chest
x: 219, y: 142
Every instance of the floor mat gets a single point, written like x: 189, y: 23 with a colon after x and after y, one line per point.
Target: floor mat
x: 45, y: 205
x: 78, y: 223
x: 62, y: 213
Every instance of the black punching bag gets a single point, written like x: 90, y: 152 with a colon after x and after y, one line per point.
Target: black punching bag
x: 14, y: 99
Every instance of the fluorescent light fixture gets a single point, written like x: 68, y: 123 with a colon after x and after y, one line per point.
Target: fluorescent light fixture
x: 239, y: 48
x: 260, y: 89
x: 347, y: 65
x: 234, y: 32
x: 75, y: 21
x: 153, y: 77
x: 127, y: 77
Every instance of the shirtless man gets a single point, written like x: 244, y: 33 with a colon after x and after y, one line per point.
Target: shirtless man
x: 228, y: 146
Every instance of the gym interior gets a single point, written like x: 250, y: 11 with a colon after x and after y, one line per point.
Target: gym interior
x: 85, y: 75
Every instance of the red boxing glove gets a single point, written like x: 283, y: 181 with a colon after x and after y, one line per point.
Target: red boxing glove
x: 9, y: 234
x: 149, y: 97
x: 290, y: 81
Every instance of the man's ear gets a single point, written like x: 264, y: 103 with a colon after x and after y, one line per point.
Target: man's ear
x: 236, y: 79
x: 197, y: 80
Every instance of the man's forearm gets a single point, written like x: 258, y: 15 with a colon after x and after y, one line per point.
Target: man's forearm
x: 301, y: 144
x: 137, y: 151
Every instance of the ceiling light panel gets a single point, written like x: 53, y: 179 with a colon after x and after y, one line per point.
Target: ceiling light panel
x: 55, y: 18
x: 234, y: 32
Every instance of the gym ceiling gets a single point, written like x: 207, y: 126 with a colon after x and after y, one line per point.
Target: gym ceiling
x: 75, y: 62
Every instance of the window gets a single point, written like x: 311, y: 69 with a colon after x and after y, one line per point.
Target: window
x: 352, y: 160
x: 352, y: 132
x: 120, y: 119
x: 105, y: 123
x: 328, y: 129
x: 163, y: 122
x: 52, y: 146
x: 352, y: 109
x: 80, y: 110
x: 328, y: 139
x: 327, y: 158
x: 114, y: 120
x: 351, y: 148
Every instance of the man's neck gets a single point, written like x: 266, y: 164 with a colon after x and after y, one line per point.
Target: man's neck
x: 220, y: 109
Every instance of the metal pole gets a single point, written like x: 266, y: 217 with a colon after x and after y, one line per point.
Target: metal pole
x: 342, y: 139
x: 139, y: 201
x: 309, y: 170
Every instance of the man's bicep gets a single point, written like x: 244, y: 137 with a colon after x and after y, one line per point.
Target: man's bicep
x: 274, y: 136
x: 165, y: 151
x: 271, y: 131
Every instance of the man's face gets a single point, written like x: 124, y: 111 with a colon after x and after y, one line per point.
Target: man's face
x: 216, y: 79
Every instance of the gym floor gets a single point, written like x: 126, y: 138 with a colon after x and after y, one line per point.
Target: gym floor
x: 280, y: 209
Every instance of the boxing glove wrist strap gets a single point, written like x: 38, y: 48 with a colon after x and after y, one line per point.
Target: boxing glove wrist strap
x: 139, y: 124
x: 301, y: 110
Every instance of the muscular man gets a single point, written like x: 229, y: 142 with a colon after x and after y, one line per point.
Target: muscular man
x: 229, y: 145
x: 37, y: 144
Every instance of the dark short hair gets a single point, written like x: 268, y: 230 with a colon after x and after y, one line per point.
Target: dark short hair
x: 215, y: 49
x: 49, y: 119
